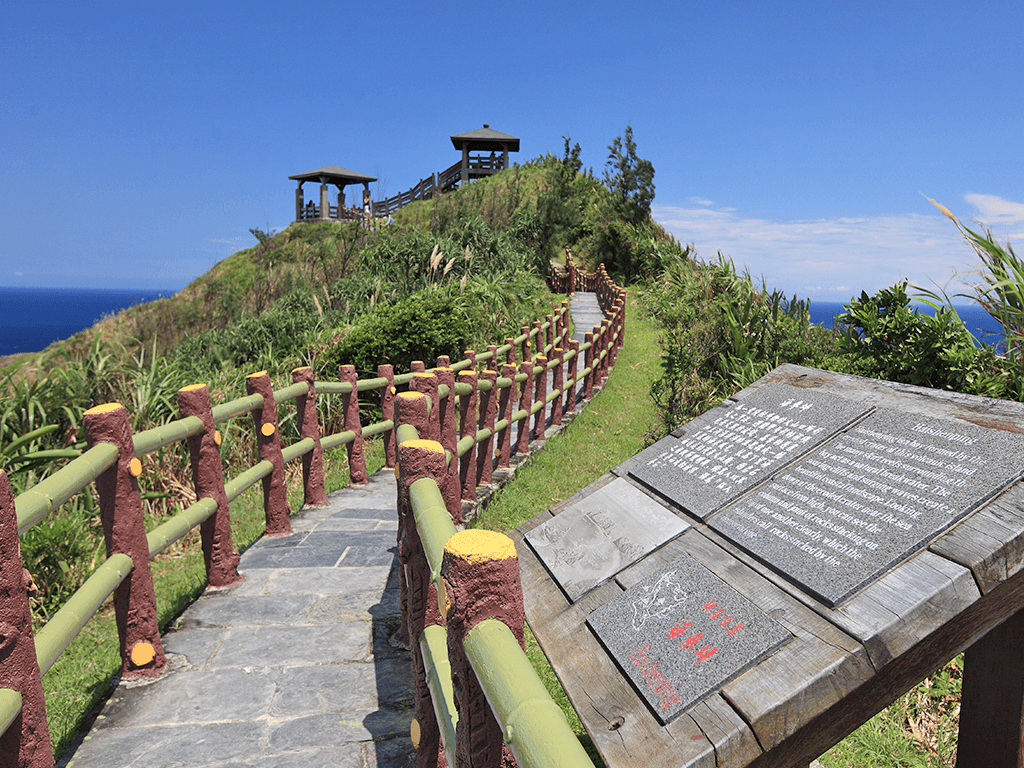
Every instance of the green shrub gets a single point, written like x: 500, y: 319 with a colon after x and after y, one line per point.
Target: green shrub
x: 427, y: 324
x: 885, y: 338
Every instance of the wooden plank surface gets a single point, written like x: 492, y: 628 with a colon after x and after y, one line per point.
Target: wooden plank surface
x: 620, y: 725
x: 843, y: 664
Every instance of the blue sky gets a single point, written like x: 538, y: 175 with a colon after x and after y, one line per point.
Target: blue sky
x: 140, y: 142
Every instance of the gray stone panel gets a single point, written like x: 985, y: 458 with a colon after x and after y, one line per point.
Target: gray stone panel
x: 868, y: 499
x: 681, y: 633
x: 729, y: 450
x: 595, y: 538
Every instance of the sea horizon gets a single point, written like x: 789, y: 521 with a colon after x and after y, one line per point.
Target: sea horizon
x: 32, y: 318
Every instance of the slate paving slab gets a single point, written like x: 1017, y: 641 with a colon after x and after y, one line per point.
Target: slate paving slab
x: 293, y: 667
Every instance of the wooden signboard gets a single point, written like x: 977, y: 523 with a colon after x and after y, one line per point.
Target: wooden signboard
x: 875, y: 550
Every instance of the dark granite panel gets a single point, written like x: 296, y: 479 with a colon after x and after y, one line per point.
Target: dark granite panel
x: 682, y: 633
x: 730, y: 450
x: 868, y: 499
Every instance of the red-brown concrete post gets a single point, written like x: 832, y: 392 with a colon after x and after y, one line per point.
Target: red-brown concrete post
x: 524, y: 349
x: 540, y: 395
x: 550, y: 335
x: 268, y: 443
x: 538, y: 334
x: 570, y: 388
x: 606, y: 347
x: 426, y: 382
x: 617, y: 329
x: 467, y: 428
x: 313, y: 493
x: 589, y: 359
x: 417, y: 366
x: 443, y: 361
x: 350, y: 405
x: 418, y: 459
x: 123, y: 532
x: 208, y: 478
x: 488, y: 409
x: 448, y: 414
x: 556, y: 386
x: 469, y: 356
x: 481, y: 581
x: 565, y: 324
x: 26, y: 743
x: 525, y: 401
x: 510, y: 356
x: 387, y: 411
x: 492, y: 359
x: 411, y: 408
x: 506, y: 405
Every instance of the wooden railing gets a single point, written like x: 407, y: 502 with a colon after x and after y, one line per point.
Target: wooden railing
x: 488, y: 406
x: 436, y: 184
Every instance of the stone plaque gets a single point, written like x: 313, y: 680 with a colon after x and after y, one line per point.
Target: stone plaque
x: 595, y: 538
x: 868, y: 499
x: 682, y: 633
x: 730, y: 450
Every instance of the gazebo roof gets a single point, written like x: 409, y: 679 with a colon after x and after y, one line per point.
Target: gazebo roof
x: 332, y: 174
x: 486, y: 138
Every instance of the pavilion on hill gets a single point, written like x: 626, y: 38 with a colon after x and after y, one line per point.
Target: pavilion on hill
x: 340, y: 178
x: 484, y: 152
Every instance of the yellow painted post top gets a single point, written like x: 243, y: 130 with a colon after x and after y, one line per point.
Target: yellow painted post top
x: 105, y: 408
x: 424, y: 373
x: 142, y: 654
x: 426, y: 445
x: 300, y: 368
x: 467, y: 373
x: 411, y: 394
x: 191, y: 387
x: 255, y: 375
x: 480, y: 546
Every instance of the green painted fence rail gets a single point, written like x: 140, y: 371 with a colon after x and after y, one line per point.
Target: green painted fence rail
x: 106, y: 458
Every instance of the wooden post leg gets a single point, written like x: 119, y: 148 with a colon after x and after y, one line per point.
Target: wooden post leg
x: 992, y: 700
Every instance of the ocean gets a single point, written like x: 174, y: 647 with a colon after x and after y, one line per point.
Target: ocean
x: 33, y: 318
x: 977, y: 320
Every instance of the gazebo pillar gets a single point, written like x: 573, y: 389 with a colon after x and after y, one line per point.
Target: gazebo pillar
x: 504, y: 157
x: 325, y: 202
x: 299, y: 202
x: 465, y: 164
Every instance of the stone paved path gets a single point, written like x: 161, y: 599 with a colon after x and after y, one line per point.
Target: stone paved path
x: 294, y: 667
x: 298, y: 665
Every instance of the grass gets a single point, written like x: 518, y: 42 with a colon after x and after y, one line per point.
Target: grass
x: 619, y: 421
x: 84, y: 674
x: 918, y: 730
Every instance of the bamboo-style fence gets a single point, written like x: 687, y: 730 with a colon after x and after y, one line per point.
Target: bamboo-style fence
x: 453, y: 430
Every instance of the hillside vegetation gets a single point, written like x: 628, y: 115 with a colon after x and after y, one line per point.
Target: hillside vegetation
x: 448, y: 274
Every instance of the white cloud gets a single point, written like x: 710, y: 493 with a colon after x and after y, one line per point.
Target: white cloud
x: 994, y: 210
x: 838, y: 257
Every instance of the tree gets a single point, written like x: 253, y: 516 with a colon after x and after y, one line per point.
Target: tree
x: 630, y: 178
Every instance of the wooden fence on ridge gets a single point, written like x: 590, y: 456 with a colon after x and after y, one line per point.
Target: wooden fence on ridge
x: 438, y: 467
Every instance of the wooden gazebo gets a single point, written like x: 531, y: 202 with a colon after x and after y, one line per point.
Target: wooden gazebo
x: 330, y: 174
x: 483, y: 140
